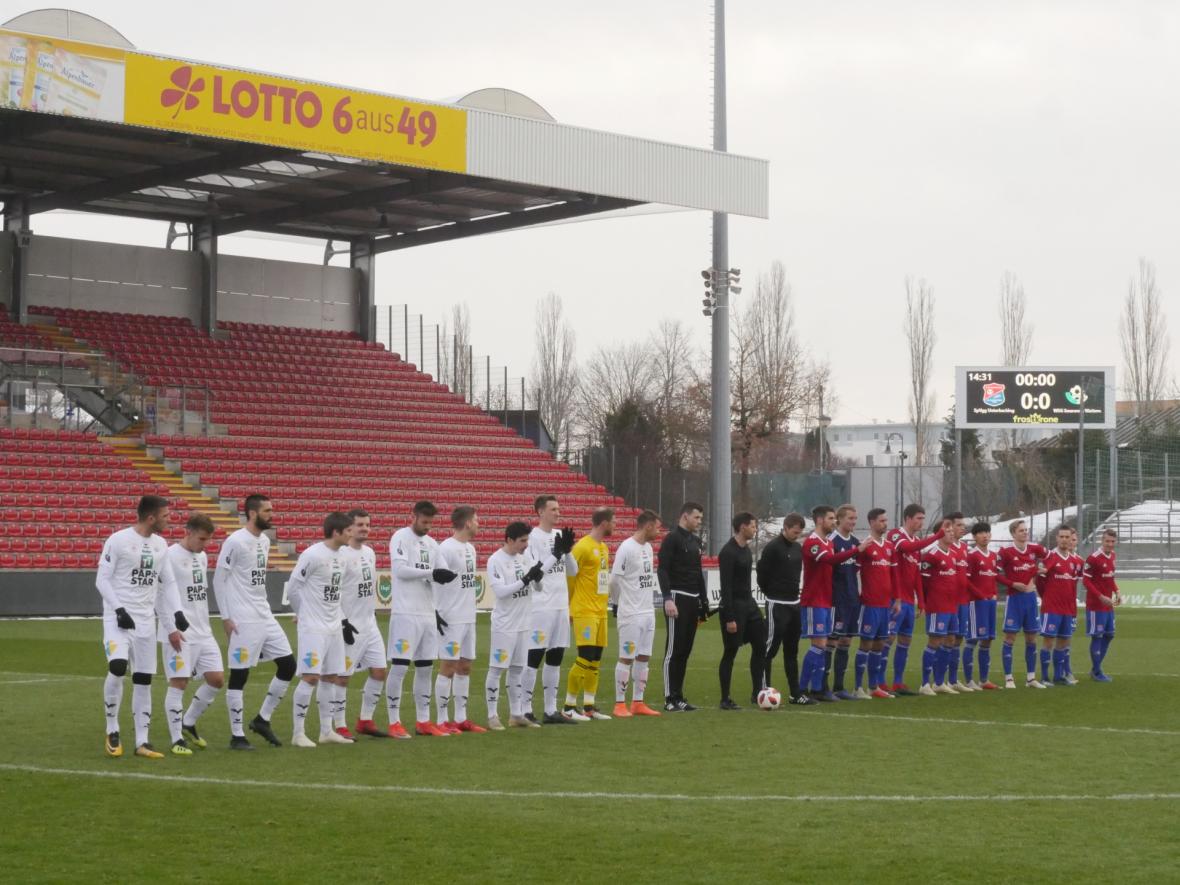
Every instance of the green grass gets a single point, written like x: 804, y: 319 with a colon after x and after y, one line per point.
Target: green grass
x: 260, y: 817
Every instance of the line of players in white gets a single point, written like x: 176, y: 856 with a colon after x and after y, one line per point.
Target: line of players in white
x: 154, y: 593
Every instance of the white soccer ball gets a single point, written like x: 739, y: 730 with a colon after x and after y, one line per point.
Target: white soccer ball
x: 769, y: 699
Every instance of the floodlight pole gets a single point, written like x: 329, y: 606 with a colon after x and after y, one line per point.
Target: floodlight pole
x: 720, y: 468
x: 1081, y: 459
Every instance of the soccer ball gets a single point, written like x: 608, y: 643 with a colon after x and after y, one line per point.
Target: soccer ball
x: 769, y: 699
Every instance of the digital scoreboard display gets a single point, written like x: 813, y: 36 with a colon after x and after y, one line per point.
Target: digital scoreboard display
x: 991, y: 397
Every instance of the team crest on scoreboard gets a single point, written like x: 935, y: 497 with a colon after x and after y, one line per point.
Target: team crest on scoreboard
x: 993, y: 395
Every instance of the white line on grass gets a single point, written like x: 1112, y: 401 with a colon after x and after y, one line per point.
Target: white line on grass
x: 568, y: 794
x: 992, y: 722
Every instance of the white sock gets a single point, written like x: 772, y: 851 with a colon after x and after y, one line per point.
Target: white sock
x: 370, y: 695
x: 174, y: 708
x: 339, y: 703
x: 516, y: 704
x: 442, y: 696
x: 460, y: 687
x: 550, y: 680
x: 234, y: 704
x: 639, y: 680
x: 393, y: 691
x: 422, y: 692
x: 141, y: 711
x: 622, y: 680
x: 274, y: 694
x: 325, y: 701
x: 204, y: 696
x: 528, y: 687
x: 491, y: 690
x: 112, y: 698
x: 302, y: 703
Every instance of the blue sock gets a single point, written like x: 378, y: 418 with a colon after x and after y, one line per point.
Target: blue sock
x: 1006, y: 657
x: 862, y: 662
x: 1058, y: 664
x: 1030, y: 659
x: 884, y: 665
x: 1065, y: 657
x: 1046, y: 656
x: 1096, y: 654
x: 874, y: 668
x: 827, y: 667
x: 900, y: 658
x: 969, y: 661
x: 952, y: 664
x: 818, y: 673
x: 985, y: 662
x: 805, y: 671
x: 941, y: 660
x: 840, y: 669
x: 929, y: 655
x: 1107, y: 639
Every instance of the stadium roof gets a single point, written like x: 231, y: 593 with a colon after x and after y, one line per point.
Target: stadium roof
x: 100, y: 127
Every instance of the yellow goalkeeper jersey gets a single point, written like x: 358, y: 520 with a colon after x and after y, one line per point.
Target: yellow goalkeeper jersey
x: 590, y: 587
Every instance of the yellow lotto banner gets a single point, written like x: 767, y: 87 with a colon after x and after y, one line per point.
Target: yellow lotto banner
x: 224, y: 103
x: 48, y: 75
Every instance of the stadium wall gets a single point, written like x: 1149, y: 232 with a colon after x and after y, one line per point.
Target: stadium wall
x: 90, y: 275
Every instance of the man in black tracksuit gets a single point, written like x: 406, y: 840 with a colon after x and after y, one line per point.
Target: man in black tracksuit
x: 780, y: 568
x: 740, y: 620
x: 686, y: 601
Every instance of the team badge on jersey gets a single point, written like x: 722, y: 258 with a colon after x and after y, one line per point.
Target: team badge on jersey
x: 586, y: 631
x: 311, y: 659
x: 628, y: 648
x: 241, y: 654
x: 176, y: 663
x: 146, y: 560
x: 814, y: 548
x: 401, y: 646
x: 499, y: 656
x: 261, y: 556
x: 110, y: 647
x: 538, y: 637
x: 452, y: 647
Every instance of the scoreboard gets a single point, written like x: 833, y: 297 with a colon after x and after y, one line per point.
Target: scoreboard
x: 993, y: 397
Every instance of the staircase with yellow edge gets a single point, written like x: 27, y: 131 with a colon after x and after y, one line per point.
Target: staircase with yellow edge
x: 130, y: 445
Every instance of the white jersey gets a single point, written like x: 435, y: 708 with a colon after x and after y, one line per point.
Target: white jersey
x: 358, y: 597
x: 411, y: 560
x: 506, y: 579
x: 314, y: 588
x: 239, y: 578
x: 455, y: 601
x: 553, y: 594
x: 190, y: 571
x: 132, y: 572
x: 633, y: 579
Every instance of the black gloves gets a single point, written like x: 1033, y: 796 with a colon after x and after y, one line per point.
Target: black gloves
x: 181, y: 621
x: 442, y: 576
x: 124, y: 620
x: 564, y: 542
x: 614, y: 610
x: 535, y: 573
x: 441, y: 624
x: 703, y: 610
x: 349, y: 632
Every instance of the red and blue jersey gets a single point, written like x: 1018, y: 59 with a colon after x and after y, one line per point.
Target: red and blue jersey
x: 1098, y: 578
x: 982, y: 573
x: 907, y: 555
x: 1019, y: 566
x: 877, y: 572
x: 940, y: 574
x: 818, y: 560
x: 1062, y: 572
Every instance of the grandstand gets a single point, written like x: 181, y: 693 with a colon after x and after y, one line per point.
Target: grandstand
x: 317, y: 419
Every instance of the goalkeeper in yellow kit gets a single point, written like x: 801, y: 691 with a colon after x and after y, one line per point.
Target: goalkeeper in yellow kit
x: 589, y: 591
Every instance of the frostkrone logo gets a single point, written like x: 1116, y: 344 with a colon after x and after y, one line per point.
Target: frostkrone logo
x: 993, y: 395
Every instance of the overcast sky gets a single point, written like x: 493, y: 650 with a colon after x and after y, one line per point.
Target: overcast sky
x: 948, y: 140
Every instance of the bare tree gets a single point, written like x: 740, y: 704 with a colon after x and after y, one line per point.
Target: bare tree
x: 614, y: 375
x: 920, y: 335
x: 674, y: 360
x: 455, y: 359
x: 1015, y: 334
x: 555, y: 370
x: 1143, y: 329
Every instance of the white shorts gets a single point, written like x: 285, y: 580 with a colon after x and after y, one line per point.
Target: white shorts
x: 137, y: 646
x: 201, y: 655
x: 413, y: 637
x: 550, y: 628
x: 321, y: 651
x: 509, y: 649
x: 251, y: 643
x: 458, y: 642
x: 367, y: 651
x: 636, y: 635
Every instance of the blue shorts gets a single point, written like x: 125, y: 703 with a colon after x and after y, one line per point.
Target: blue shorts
x: 1020, y: 613
x: 874, y: 622
x: 963, y: 620
x: 903, y: 622
x: 817, y: 622
x: 1099, y: 623
x: 1061, y: 626
x: 983, y: 619
x: 941, y: 624
x: 845, y: 618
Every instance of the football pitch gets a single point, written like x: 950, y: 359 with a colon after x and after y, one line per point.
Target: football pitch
x: 1068, y: 784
